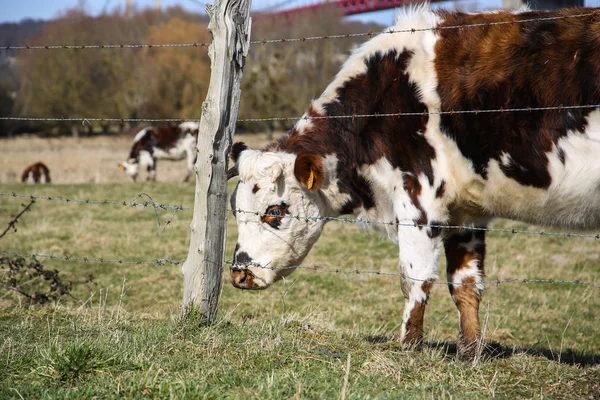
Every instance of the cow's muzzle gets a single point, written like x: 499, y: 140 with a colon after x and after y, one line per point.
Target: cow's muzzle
x: 243, y: 278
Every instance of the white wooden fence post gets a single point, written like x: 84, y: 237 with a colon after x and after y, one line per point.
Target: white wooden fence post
x: 202, y: 271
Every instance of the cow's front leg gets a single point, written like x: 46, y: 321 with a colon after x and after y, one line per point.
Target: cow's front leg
x: 151, y: 169
x: 465, y: 253
x: 419, y: 251
x: 191, y: 160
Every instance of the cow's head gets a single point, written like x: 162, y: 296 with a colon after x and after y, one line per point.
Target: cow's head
x: 277, y: 206
x: 131, y: 167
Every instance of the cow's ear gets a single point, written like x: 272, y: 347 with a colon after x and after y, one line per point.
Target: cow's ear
x: 309, y: 170
x: 237, y: 149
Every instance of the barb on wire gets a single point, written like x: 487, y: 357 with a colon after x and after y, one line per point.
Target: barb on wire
x: 167, y: 223
x: 164, y: 261
x: 436, y: 226
x: 103, y: 46
x: 404, y: 276
x: 12, y: 224
x: 132, y: 203
x: 155, y: 205
x: 413, y: 30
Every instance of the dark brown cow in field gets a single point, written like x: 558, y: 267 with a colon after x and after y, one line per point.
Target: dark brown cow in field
x: 162, y: 142
x: 436, y: 166
x: 36, y: 173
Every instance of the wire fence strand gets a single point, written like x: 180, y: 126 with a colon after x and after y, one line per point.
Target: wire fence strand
x: 165, y: 261
x: 404, y: 276
x: 559, y: 108
x: 414, y: 30
x: 361, y: 221
x: 101, y: 260
x: 131, y: 203
x: 102, y: 46
x: 299, y: 39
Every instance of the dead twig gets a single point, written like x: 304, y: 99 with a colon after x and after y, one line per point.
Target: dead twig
x: 11, y: 224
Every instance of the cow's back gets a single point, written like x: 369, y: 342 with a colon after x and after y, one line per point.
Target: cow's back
x: 533, y: 165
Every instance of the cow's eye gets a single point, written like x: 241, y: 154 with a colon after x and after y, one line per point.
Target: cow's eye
x: 273, y: 211
x: 274, y: 214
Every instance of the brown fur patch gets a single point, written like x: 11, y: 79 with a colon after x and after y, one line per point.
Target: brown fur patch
x: 37, y: 170
x: 384, y: 88
x: 466, y: 298
x: 274, y: 214
x: 532, y: 64
x: 309, y: 170
x: 237, y: 149
x: 414, y: 325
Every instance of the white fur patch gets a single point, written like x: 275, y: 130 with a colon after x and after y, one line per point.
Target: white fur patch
x: 141, y: 134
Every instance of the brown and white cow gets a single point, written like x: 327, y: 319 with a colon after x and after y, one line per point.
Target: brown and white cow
x: 36, y: 173
x: 431, y: 167
x: 162, y: 142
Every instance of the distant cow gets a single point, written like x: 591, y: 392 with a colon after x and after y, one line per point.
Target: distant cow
x: 162, y: 142
x: 36, y: 173
x: 450, y: 160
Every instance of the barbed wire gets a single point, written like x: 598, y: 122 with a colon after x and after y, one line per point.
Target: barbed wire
x: 164, y: 261
x: 85, y: 119
x: 404, y: 276
x: 415, y: 30
x: 131, y: 203
x: 425, y: 113
x: 102, y: 46
x: 435, y: 226
x: 300, y: 39
x: 327, y: 117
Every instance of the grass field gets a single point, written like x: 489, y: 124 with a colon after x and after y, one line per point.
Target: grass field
x: 316, y: 335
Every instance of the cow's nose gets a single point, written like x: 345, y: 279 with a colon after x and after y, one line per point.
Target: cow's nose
x: 242, y: 278
x: 238, y: 277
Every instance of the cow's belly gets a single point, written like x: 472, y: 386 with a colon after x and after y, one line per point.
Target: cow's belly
x: 171, y: 154
x: 571, y: 200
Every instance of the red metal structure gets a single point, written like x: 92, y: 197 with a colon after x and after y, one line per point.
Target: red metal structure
x: 349, y: 7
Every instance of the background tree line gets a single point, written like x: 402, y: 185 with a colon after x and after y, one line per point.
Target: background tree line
x: 279, y: 79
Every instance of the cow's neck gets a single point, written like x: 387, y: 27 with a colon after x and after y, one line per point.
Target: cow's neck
x: 371, y: 83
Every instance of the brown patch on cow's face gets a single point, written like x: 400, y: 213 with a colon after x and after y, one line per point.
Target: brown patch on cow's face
x: 532, y: 64
x: 274, y: 215
x: 309, y: 170
x: 244, y: 279
x: 255, y: 189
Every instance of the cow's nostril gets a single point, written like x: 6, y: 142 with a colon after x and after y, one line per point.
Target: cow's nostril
x: 242, y: 277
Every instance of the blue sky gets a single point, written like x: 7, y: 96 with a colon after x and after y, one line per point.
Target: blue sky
x: 16, y: 10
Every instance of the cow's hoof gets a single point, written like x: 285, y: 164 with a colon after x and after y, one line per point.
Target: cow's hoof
x: 412, y: 343
x: 469, y: 352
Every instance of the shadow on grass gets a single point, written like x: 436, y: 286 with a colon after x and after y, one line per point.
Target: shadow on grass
x: 495, y: 350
